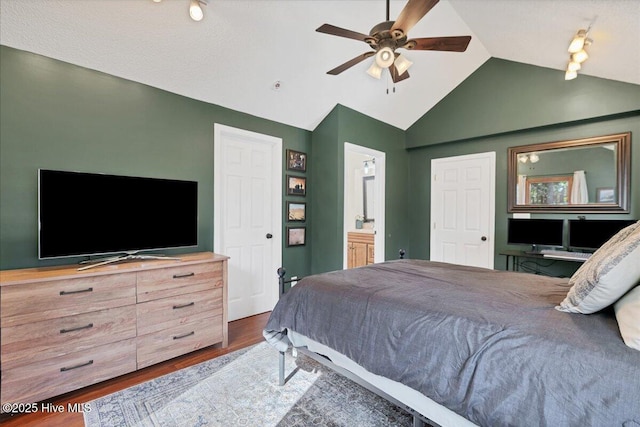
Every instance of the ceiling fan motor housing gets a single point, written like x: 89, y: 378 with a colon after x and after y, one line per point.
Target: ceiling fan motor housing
x: 381, y: 36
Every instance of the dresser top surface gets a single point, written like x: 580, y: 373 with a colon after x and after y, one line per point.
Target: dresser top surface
x: 42, y: 274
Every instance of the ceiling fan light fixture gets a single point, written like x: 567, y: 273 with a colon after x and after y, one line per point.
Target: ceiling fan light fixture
x: 402, y: 64
x: 375, y: 71
x: 195, y: 10
x: 385, y: 57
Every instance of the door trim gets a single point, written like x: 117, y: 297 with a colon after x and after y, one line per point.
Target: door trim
x: 219, y: 133
x: 379, y: 214
x: 491, y: 155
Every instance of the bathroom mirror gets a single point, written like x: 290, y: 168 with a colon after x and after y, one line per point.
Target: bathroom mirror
x: 587, y: 175
x: 368, y: 199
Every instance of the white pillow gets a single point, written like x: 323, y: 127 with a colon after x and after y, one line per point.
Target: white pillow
x: 607, y: 275
x: 628, y: 315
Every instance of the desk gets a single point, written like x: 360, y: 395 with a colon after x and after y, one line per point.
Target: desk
x: 516, y: 255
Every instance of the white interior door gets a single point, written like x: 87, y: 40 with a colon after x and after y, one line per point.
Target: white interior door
x: 247, y: 216
x: 463, y: 209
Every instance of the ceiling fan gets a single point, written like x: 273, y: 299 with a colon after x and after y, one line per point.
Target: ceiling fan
x: 386, y: 37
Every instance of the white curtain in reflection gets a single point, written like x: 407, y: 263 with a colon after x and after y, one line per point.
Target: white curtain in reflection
x: 579, y: 191
x: 521, y: 190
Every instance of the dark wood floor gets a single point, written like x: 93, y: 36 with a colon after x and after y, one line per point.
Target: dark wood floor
x: 242, y: 333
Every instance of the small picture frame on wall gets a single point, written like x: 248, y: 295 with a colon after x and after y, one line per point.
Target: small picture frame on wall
x: 296, y: 236
x: 296, y: 211
x: 296, y: 185
x: 296, y: 161
x: 605, y: 195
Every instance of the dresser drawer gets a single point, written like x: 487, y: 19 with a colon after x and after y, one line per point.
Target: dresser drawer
x: 39, y: 301
x: 34, y: 382
x: 32, y: 342
x: 170, y: 281
x: 174, y: 311
x: 173, y: 342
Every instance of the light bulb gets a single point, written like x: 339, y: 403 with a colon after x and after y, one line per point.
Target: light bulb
x: 533, y: 158
x: 578, y: 42
x: 573, y: 66
x: 374, y: 71
x: 580, y: 56
x: 384, y: 57
x: 195, y: 11
x: 570, y: 75
x: 402, y: 64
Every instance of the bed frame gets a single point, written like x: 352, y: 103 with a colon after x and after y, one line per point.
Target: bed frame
x: 419, y: 420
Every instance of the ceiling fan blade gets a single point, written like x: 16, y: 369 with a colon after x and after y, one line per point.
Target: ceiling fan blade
x: 413, y: 11
x: 449, y: 44
x: 397, y: 77
x: 341, y: 32
x: 350, y: 63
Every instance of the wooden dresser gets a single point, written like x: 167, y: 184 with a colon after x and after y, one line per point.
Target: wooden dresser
x: 63, y: 329
x: 361, y: 249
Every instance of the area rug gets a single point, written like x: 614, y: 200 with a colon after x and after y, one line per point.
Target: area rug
x: 241, y: 389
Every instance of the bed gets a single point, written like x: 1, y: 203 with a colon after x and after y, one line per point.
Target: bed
x: 466, y: 346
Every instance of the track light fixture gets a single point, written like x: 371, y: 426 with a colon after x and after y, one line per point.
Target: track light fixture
x: 195, y: 9
x: 577, y: 53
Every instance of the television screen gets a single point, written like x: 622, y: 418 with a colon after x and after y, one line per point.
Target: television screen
x: 542, y: 232
x: 90, y: 214
x: 593, y: 233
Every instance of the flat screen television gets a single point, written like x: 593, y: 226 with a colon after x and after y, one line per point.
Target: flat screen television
x: 590, y: 234
x: 84, y: 214
x: 535, y: 232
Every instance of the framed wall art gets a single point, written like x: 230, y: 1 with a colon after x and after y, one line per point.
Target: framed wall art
x: 296, y: 185
x: 296, y: 236
x: 296, y: 211
x: 296, y: 161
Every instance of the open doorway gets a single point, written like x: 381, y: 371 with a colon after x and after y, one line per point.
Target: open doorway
x: 364, y: 207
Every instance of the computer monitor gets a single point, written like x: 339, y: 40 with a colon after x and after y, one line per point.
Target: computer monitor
x: 590, y: 234
x: 535, y: 232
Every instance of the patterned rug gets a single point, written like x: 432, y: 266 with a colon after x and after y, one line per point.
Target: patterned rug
x: 241, y: 389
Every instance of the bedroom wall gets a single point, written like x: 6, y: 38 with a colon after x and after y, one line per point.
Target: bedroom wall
x: 346, y: 125
x: 487, y: 113
x: 60, y: 116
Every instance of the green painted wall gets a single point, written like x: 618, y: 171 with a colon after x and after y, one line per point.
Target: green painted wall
x: 482, y: 115
x: 346, y: 125
x: 504, y: 96
x: 60, y: 116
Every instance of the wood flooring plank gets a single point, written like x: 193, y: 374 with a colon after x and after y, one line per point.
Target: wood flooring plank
x: 242, y: 333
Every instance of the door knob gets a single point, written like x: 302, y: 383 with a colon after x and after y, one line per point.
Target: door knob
x: 269, y: 235
x: 483, y: 238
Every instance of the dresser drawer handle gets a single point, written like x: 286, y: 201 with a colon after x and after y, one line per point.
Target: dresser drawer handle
x: 182, y: 276
x: 79, y: 328
x: 76, y: 292
x: 64, y: 369
x: 177, y: 337
x: 175, y: 307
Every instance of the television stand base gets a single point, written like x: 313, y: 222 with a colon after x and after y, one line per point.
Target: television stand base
x: 110, y: 260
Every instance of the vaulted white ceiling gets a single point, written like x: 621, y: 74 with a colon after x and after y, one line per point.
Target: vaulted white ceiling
x: 241, y: 48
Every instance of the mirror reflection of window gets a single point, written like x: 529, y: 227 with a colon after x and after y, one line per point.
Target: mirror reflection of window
x: 548, y: 190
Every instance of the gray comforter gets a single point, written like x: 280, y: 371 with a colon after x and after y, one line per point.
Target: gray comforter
x: 486, y: 344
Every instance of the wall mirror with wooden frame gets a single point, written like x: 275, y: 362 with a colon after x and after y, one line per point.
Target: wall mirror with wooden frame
x: 587, y: 175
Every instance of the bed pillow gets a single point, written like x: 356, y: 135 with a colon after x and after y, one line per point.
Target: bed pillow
x: 607, y: 275
x: 628, y: 315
